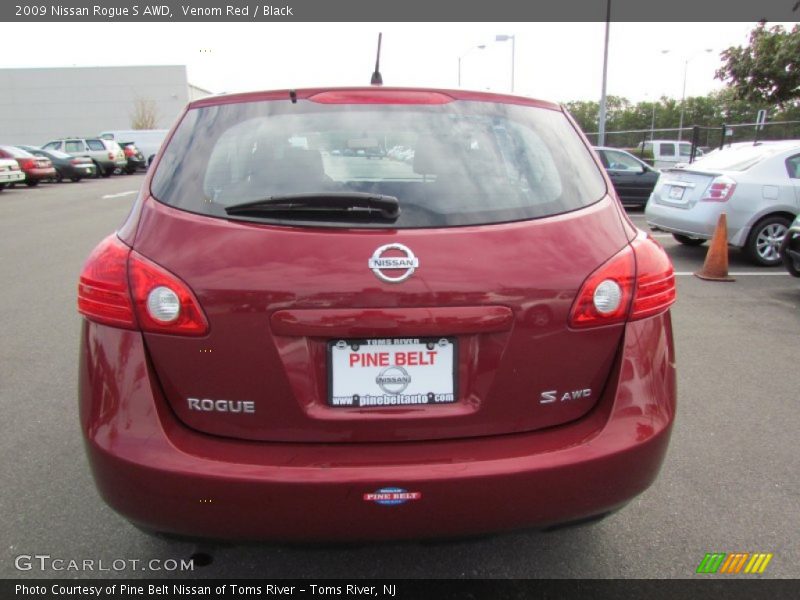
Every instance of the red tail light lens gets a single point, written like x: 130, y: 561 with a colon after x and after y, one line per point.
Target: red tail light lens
x: 638, y: 282
x: 720, y: 190
x: 76, y: 161
x: 120, y: 287
x: 655, y: 279
x: 164, y: 303
x: 27, y: 163
x: 111, y: 155
x: 619, y: 270
x: 129, y: 151
x: 103, y: 285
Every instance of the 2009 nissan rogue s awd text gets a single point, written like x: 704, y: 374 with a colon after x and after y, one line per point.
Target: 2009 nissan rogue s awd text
x: 291, y: 340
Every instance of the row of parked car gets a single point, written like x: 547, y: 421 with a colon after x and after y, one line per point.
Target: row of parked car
x: 72, y: 159
x: 76, y: 158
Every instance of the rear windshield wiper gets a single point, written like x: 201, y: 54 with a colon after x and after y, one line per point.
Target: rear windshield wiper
x: 320, y: 205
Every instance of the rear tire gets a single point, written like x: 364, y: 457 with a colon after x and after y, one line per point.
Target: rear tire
x: 75, y: 179
x: 688, y: 241
x: 59, y: 177
x: 98, y: 170
x: 765, y: 239
x: 31, y: 183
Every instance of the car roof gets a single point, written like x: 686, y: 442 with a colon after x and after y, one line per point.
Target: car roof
x: 397, y: 92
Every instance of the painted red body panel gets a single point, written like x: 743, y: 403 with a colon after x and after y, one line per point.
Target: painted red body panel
x: 165, y: 476
x: 243, y: 274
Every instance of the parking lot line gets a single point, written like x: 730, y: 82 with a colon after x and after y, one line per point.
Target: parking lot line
x: 120, y: 195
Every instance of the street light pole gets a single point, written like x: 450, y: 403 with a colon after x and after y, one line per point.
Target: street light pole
x: 478, y: 47
x: 513, y: 38
x: 683, y: 94
x: 601, y: 135
x: 653, y: 121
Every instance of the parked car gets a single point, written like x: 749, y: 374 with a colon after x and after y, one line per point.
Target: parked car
x: 36, y: 168
x: 476, y: 341
x: 120, y: 160
x: 135, y: 158
x: 790, y: 249
x: 10, y: 173
x: 667, y: 153
x: 106, y: 159
x: 66, y: 166
x: 633, y: 179
x: 148, y: 141
x: 757, y: 185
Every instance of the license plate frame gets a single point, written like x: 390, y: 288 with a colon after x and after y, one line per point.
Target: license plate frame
x: 444, y: 347
x: 676, y: 192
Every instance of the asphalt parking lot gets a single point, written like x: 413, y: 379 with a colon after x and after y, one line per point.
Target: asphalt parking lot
x: 730, y: 481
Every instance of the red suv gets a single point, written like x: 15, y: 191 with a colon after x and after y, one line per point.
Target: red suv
x: 286, y: 340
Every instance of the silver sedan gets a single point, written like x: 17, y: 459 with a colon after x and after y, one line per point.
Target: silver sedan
x: 757, y: 185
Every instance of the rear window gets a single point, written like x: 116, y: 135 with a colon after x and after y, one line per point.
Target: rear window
x: 738, y: 158
x: 16, y: 152
x: 462, y: 163
x: 95, y: 145
x: 54, y: 154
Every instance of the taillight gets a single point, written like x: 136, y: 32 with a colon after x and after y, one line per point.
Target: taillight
x: 120, y: 287
x: 593, y: 306
x: 720, y: 190
x: 27, y: 163
x: 637, y: 282
x: 380, y: 97
x: 164, y: 303
x: 655, y: 279
x: 111, y: 155
x: 76, y: 161
x: 103, y: 294
x: 129, y: 151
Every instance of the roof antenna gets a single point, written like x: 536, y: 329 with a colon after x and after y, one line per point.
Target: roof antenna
x: 376, y: 76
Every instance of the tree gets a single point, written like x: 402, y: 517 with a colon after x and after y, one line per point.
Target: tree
x: 767, y: 71
x: 145, y: 114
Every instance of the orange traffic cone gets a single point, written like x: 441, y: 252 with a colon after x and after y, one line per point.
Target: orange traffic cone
x: 716, y: 266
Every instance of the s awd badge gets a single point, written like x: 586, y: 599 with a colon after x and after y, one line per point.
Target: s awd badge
x: 550, y: 396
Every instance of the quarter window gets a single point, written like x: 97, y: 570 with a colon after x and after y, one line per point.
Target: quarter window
x: 793, y: 166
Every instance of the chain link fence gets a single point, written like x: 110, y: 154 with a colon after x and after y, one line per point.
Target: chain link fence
x: 704, y: 138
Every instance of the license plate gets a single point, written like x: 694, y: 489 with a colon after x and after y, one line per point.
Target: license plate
x: 676, y: 192
x: 385, y: 373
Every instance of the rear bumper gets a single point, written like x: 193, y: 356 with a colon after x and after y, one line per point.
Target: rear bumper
x: 40, y: 174
x: 136, y: 162
x: 164, y: 476
x: 699, y: 221
x: 11, y: 177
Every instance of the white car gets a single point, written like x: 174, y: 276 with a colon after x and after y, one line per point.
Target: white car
x: 148, y: 141
x: 756, y: 184
x: 10, y: 172
x: 668, y: 153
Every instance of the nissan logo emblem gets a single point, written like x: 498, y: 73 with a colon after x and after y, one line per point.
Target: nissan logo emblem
x: 407, y: 263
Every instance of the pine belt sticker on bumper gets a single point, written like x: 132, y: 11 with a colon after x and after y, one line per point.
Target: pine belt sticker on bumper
x: 391, y: 496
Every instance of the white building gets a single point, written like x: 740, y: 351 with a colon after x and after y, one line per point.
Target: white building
x: 37, y: 105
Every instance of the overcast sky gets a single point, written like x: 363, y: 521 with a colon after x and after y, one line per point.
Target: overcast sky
x: 554, y: 61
